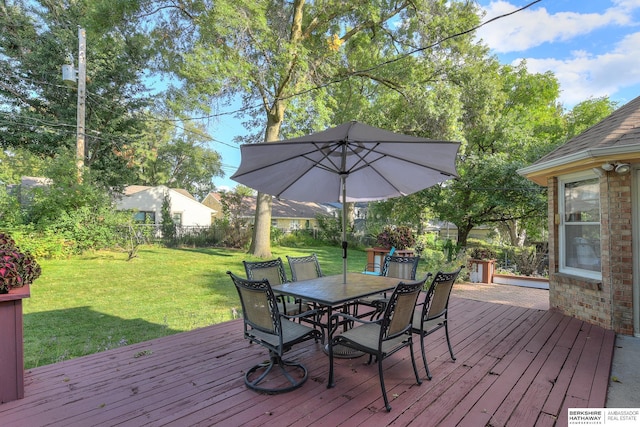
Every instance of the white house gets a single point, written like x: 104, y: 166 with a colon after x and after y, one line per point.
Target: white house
x: 146, y: 202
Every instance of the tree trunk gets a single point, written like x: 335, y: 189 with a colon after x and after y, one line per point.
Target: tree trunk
x: 463, y: 234
x: 261, y: 241
x: 350, y: 211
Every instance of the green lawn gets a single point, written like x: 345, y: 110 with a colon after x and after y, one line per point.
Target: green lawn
x: 95, y: 302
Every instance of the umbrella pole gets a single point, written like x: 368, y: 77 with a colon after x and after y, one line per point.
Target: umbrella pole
x: 344, y: 228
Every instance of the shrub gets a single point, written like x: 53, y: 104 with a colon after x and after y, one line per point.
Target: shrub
x: 399, y: 237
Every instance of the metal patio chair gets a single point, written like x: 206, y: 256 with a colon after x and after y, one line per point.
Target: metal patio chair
x: 382, y: 337
x: 274, y: 271
x: 432, y: 313
x: 304, y: 267
x: 399, y: 267
x: 265, y: 325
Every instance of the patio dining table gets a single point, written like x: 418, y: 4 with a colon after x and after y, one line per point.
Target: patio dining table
x: 330, y: 292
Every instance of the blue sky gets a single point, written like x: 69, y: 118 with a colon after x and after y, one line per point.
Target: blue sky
x: 591, y: 46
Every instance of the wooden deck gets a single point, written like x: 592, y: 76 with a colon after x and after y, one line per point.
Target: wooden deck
x: 515, y: 366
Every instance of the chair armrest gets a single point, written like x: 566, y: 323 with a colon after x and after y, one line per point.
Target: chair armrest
x: 296, y: 316
x: 347, y: 317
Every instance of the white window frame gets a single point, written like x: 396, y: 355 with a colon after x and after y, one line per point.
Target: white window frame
x: 562, y: 265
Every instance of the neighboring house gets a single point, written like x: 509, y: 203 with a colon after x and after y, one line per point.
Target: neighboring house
x: 288, y: 215
x: 448, y: 230
x: 24, y: 190
x: 213, y: 201
x: 146, y: 202
x: 593, y: 185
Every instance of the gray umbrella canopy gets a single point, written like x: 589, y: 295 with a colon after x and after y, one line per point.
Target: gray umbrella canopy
x: 375, y: 164
x: 348, y: 163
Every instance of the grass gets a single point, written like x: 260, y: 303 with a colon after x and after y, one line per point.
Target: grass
x: 99, y: 301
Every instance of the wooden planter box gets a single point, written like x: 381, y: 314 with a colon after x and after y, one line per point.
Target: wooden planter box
x: 11, y: 345
x: 481, y: 271
x: 375, y: 256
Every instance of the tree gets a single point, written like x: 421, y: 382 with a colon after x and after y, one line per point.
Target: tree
x: 587, y: 113
x: 505, y: 117
x: 285, y: 60
x: 177, y: 158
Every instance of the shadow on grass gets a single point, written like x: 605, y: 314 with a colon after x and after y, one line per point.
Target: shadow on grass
x: 58, y: 335
x: 221, y: 252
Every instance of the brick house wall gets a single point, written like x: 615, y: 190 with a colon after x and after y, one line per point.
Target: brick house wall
x: 608, y: 302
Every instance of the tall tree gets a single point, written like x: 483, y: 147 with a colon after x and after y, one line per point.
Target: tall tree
x: 39, y: 112
x: 292, y: 63
x: 516, y: 118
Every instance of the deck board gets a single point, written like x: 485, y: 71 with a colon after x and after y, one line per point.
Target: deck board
x: 515, y: 366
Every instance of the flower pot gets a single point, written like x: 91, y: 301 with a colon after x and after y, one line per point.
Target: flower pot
x: 11, y: 350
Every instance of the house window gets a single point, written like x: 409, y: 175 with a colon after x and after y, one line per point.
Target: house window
x: 580, y: 225
x: 294, y: 224
x: 177, y: 218
x: 144, y: 217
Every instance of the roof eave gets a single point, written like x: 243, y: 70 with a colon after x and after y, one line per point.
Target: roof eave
x: 538, y: 172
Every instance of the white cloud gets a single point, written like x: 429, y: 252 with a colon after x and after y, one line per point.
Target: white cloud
x: 533, y: 27
x: 583, y: 75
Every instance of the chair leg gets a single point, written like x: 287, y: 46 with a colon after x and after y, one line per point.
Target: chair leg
x: 446, y: 331
x: 413, y: 362
x: 384, y: 390
x: 424, y: 357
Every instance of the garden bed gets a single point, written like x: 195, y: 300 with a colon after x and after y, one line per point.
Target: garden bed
x: 527, y: 281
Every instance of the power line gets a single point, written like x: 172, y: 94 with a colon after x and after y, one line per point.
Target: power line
x: 244, y: 109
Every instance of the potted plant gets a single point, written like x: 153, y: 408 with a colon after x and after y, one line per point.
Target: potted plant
x: 399, y: 237
x: 17, y: 268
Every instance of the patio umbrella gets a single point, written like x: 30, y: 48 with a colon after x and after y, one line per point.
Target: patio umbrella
x: 348, y: 163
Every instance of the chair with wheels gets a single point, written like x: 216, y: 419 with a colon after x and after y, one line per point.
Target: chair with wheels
x: 265, y: 325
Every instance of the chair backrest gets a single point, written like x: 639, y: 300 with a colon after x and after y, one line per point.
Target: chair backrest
x: 272, y: 270
x: 437, y: 299
x: 398, y: 313
x: 259, y: 306
x: 400, y: 267
x: 304, y: 267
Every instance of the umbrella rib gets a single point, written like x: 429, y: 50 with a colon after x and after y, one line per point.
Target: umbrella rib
x: 403, y: 159
x: 275, y: 163
x: 313, y: 164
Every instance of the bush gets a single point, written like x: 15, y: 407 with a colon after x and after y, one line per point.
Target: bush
x: 42, y: 244
x: 298, y: 239
x: 399, y: 237
x: 330, y: 229
x: 435, y: 260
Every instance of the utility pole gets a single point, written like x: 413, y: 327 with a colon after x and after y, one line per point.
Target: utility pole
x: 82, y: 81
